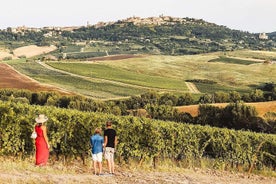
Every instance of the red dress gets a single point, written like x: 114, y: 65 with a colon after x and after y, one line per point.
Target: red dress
x: 42, y: 151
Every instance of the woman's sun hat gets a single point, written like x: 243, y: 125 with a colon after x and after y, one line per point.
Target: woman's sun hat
x: 41, y: 118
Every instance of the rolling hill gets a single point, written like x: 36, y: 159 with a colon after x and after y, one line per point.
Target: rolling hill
x: 131, y: 56
x: 115, y: 77
x: 154, y: 35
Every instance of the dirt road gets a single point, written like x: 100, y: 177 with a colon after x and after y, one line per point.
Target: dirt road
x: 137, y: 177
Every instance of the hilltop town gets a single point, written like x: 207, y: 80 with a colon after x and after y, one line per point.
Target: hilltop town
x: 138, y: 21
x: 160, y: 20
x: 135, y: 35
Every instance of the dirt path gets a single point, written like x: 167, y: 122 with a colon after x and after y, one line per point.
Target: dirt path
x: 14, y: 170
x: 192, y: 87
x: 137, y: 177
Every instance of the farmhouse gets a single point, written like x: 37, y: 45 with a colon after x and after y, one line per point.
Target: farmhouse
x: 263, y: 36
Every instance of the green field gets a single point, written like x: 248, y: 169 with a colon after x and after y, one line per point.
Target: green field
x: 227, y: 75
x: 232, y: 61
x: 96, y: 89
x: 121, y: 78
x: 103, y: 71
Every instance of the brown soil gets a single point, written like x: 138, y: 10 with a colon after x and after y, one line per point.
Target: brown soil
x: 10, y: 78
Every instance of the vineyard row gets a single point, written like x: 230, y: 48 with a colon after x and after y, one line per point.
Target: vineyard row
x: 69, y: 132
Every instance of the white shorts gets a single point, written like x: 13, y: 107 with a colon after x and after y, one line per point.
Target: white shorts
x: 97, y: 157
x: 109, y: 153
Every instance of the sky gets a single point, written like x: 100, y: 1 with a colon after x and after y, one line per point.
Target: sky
x: 254, y: 16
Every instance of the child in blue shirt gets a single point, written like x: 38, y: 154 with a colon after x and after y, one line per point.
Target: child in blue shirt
x: 97, y: 150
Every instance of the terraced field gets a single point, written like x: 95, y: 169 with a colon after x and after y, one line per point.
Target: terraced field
x: 10, y: 78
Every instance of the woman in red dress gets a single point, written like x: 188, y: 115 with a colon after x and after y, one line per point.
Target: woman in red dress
x: 41, y: 141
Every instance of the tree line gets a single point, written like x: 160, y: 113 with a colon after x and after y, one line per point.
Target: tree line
x: 266, y: 92
x: 162, y: 106
x: 193, y: 37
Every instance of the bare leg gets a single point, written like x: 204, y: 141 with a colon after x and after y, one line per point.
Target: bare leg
x: 95, y: 167
x: 113, y: 164
x: 109, y: 165
x: 100, y: 167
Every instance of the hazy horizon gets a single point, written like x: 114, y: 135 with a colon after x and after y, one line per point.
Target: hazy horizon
x: 248, y: 15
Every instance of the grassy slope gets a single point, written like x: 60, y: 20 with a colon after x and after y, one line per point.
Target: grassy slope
x: 229, y: 76
x: 254, y: 54
x: 145, y: 71
x: 99, y: 90
x: 157, y: 72
x: 103, y: 71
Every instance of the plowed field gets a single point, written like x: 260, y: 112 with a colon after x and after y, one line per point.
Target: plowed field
x: 10, y: 78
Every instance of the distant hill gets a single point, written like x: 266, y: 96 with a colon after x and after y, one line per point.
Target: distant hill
x: 272, y: 35
x: 135, y: 35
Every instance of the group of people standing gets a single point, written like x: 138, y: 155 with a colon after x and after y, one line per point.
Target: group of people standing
x: 101, y: 145
x: 106, y: 145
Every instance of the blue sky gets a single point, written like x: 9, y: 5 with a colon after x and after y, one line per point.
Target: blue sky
x: 247, y: 15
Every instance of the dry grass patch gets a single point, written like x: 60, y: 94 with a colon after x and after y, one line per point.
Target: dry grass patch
x: 261, y: 107
x: 4, y: 53
x: 17, y: 171
x: 33, y: 50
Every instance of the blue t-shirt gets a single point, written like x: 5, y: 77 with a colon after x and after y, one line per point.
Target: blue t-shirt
x: 96, y: 143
